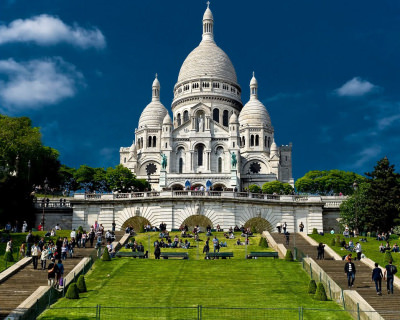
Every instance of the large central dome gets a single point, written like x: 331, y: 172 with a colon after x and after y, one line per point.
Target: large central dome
x: 207, y: 60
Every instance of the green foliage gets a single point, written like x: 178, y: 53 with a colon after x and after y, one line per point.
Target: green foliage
x: 394, y: 237
x: 333, y: 242
x: 106, y: 255
x: 122, y: 179
x: 80, y: 229
x: 277, y: 187
x: 253, y: 188
x: 328, y: 182
x: 396, y: 230
x: 253, y: 229
x: 312, y: 287
x: 337, y: 242
x: 258, y: 224
x: 8, y: 256
x: 314, y: 231
x: 320, y: 294
x: 72, y: 292
x: 141, y: 229
x: 68, y: 181
x: 263, y: 242
x: 289, y: 255
x: 388, y: 257
x: 81, y: 284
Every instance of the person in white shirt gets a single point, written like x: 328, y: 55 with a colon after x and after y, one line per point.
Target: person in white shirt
x: 73, y: 234
x: 358, y: 250
x: 24, y: 227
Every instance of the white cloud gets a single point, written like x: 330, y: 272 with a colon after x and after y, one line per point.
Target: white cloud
x: 36, y: 83
x: 367, y: 154
x: 356, y: 87
x: 47, y: 30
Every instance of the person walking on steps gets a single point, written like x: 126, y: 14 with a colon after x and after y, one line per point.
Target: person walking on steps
x: 390, y: 271
x: 377, y: 278
x: 350, y: 271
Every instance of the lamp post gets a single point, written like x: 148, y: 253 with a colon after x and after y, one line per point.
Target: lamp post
x: 355, y: 187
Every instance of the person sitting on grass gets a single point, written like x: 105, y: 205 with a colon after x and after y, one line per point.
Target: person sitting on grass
x: 219, y: 228
x: 351, y: 245
x: 110, y: 249
x: 183, y: 233
x: 238, y: 243
x: 187, y: 244
x: 176, y: 241
x: 230, y: 230
x: 382, y: 248
x: 162, y: 243
x: 395, y: 248
x: 387, y: 247
x: 232, y: 236
x: 223, y: 244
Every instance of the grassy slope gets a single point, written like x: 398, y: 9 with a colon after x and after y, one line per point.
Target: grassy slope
x: 196, y: 249
x: 18, y: 238
x: 370, y: 248
x: 234, y: 283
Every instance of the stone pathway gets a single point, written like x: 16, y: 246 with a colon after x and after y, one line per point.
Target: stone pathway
x: 387, y: 305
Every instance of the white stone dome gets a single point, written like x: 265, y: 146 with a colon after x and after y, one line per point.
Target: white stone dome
x: 207, y: 60
x: 153, y: 115
x: 208, y: 14
x: 254, y: 113
x: 233, y: 118
x: 167, y: 119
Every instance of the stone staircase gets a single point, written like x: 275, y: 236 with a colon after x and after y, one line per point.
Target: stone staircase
x: 387, y: 305
x: 21, y: 285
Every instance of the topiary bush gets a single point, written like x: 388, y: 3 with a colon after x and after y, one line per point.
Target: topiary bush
x: 314, y: 231
x: 263, y: 243
x: 106, y: 255
x: 320, y: 294
x: 141, y: 230
x: 337, y: 242
x: 388, y: 257
x: 253, y: 229
x: 80, y: 229
x: 72, y: 292
x: 81, y: 284
x: 8, y: 256
x: 289, y: 255
x: 312, y: 287
x: 333, y: 242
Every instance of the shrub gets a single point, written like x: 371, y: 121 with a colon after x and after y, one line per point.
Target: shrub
x: 80, y: 229
x: 81, y: 284
x: 396, y: 230
x: 337, y: 242
x: 106, y: 255
x: 320, y: 294
x: 8, y: 256
x: 141, y: 230
x: 312, y: 287
x: 388, y: 257
x: 314, y: 231
x: 333, y: 242
x: 72, y: 292
x: 263, y: 243
x: 254, y: 188
x: 289, y: 255
x: 253, y: 229
x: 394, y: 237
x: 132, y: 239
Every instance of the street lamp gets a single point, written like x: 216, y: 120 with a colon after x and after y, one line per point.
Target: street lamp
x: 355, y: 187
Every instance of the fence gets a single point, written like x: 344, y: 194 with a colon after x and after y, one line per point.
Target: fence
x: 199, y: 312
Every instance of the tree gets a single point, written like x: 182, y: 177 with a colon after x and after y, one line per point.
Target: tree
x: 277, y: 187
x: 121, y: 178
x: 84, y: 175
x: 68, y: 181
x: 328, y: 182
x: 253, y: 188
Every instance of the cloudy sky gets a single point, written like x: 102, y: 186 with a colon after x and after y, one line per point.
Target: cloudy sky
x: 328, y: 71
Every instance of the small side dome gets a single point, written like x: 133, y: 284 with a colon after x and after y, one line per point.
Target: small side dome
x: 274, y: 148
x: 233, y: 119
x: 208, y: 14
x: 167, y: 119
x: 253, y: 81
x: 156, y: 83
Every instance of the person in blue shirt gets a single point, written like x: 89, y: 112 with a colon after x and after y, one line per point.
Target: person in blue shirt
x: 377, y: 277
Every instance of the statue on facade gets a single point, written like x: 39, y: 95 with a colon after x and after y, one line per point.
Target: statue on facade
x: 201, y: 124
x: 164, y: 161
x: 233, y: 160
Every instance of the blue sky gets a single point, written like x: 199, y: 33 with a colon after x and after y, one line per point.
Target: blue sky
x: 328, y: 71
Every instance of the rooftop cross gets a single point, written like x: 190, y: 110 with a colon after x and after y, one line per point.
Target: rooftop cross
x: 208, y: 4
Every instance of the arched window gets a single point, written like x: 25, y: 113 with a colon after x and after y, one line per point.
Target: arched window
x: 154, y: 141
x: 141, y: 142
x: 216, y: 115
x: 179, y: 119
x: 225, y: 118
x: 257, y: 140
x: 266, y: 141
x: 243, y: 141
x: 149, y: 142
x: 180, y: 167
x: 252, y: 140
x: 219, y: 165
x: 185, y: 116
x: 269, y: 142
x: 166, y: 145
x: 124, y: 160
x: 200, y: 150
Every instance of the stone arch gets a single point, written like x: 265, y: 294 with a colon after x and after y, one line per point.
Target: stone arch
x: 254, y: 211
x: 218, y: 186
x: 177, y: 186
x: 259, y: 224
x: 198, y: 220
x: 197, y: 208
x: 136, y: 222
x: 128, y: 212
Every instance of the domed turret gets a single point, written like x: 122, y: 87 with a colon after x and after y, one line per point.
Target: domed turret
x: 233, y: 119
x: 254, y: 112
x: 274, y: 148
x: 167, y: 120
x: 154, y: 113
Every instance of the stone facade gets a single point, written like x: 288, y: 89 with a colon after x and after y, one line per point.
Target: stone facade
x: 209, y: 128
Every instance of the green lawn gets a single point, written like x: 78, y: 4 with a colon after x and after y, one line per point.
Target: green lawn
x: 140, y: 284
x: 370, y: 248
x: 18, y: 239
x: 196, y: 248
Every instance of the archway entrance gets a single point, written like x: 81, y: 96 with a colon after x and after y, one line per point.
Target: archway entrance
x: 137, y: 223
x: 218, y: 187
x: 177, y: 187
x: 259, y: 224
x: 198, y: 220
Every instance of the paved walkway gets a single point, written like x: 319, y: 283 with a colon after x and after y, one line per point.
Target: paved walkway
x: 387, y: 305
x: 20, y: 286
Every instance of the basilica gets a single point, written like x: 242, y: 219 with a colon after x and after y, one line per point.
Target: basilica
x: 212, y: 141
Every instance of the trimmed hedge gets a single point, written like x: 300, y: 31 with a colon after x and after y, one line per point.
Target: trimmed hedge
x: 312, y: 287
x: 320, y: 294
x: 333, y: 242
x: 263, y: 243
x: 81, y: 284
x: 289, y: 255
x: 314, y: 231
x: 106, y: 255
x: 72, y: 292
